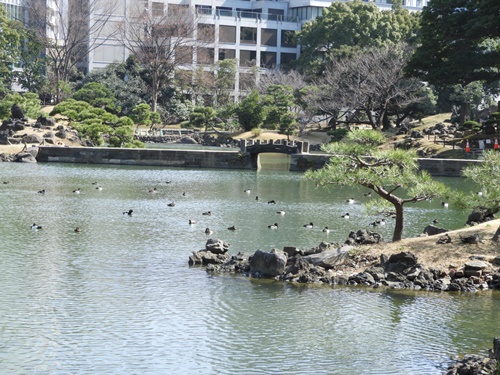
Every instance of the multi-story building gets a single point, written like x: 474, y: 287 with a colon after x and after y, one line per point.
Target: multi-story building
x: 258, y: 33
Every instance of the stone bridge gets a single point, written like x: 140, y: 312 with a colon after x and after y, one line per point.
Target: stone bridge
x: 281, y: 146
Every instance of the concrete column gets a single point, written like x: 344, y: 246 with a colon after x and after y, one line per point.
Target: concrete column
x: 243, y: 145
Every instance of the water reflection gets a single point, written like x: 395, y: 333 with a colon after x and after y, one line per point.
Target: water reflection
x: 119, y: 297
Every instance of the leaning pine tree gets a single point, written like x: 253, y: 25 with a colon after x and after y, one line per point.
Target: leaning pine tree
x: 392, y: 174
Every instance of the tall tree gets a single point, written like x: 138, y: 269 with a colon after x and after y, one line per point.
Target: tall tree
x: 10, y: 41
x: 346, y: 27
x: 460, y: 42
x: 70, y: 32
x: 392, y: 174
x: 33, y: 60
x: 162, y: 39
x: 367, y: 87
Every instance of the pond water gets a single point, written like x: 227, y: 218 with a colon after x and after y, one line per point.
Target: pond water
x: 119, y: 297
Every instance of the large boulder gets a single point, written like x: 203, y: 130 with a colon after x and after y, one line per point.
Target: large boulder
x: 480, y: 215
x: 330, y: 258
x: 400, y: 262
x: 204, y: 257
x: 216, y: 246
x: 268, y: 264
x: 25, y: 158
x: 432, y: 230
x: 16, y: 112
x: 188, y: 140
x: 33, y: 138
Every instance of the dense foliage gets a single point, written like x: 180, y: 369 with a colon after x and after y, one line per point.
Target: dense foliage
x: 349, y: 27
x: 98, y: 125
x: 460, y: 42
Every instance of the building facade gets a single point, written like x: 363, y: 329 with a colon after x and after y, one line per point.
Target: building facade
x: 257, y: 33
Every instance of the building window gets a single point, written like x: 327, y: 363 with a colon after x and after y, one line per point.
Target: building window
x: 247, y: 81
x: 184, y: 55
x: 225, y: 54
x: 268, y: 59
x: 106, y: 53
x: 227, y: 34
x: 203, y: 9
x: 269, y: 37
x: 288, y: 38
x: 158, y: 9
x: 248, y: 35
x: 247, y: 58
x: 205, y: 56
x: 287, y: 60
x: 206, y: 32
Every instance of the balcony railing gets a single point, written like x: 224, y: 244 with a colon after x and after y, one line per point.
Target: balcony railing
x: 247, y: 15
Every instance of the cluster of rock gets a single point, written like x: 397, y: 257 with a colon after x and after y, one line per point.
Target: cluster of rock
x: 474, y: 365
x: 198, y: 138
x: 328, y: 262
x: 13, y: 131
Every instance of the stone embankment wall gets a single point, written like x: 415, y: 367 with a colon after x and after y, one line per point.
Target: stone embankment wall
x: 210, y: 159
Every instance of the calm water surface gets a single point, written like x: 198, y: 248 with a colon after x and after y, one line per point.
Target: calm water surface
x: 119, y: 297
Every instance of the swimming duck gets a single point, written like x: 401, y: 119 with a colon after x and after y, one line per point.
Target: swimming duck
x: 310, y: 225
x: 35, y: 227
x: 435, y: 221
x: 208, y: 231
x: 171, y: 204
x: 41, y: 191
x: 152, y: 190
x: 271, y: 202
x: 192, y: 221
x: 208, y: 213
x: 281, y: 212
x: 247, y: 191
x: 273, y: 226
x: 94, y: 183
x: 77, y: 191
x: 381, y: 222
x: 479, y: 193
x: 444, y: 204
x: 369, y: 194
x: 374, y: 224
x: 129, y: 212
x: 350, y: 201
x: 77, y: 230
x: 232, y: 228
x: 99, y: 188
x: 326, y: 230
x: 168, y: 182
x: 346, y: 215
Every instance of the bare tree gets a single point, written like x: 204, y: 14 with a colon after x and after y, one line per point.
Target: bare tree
x: 366, y: 88
x: 70, y: 32
x: 163, y: 38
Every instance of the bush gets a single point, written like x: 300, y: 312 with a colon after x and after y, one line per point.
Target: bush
x: 256, y: 132
x: 337, y: 134
x: 471, y: 125
x: 28, y: 102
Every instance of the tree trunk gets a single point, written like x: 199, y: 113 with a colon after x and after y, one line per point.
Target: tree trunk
x: 464, y: 112
x: 496, y: 237
x: 398, y: 228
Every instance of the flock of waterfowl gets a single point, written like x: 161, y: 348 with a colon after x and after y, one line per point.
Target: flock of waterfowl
x: 208, y: 231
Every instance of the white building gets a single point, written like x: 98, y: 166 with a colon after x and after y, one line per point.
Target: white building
x: 258, y: 33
